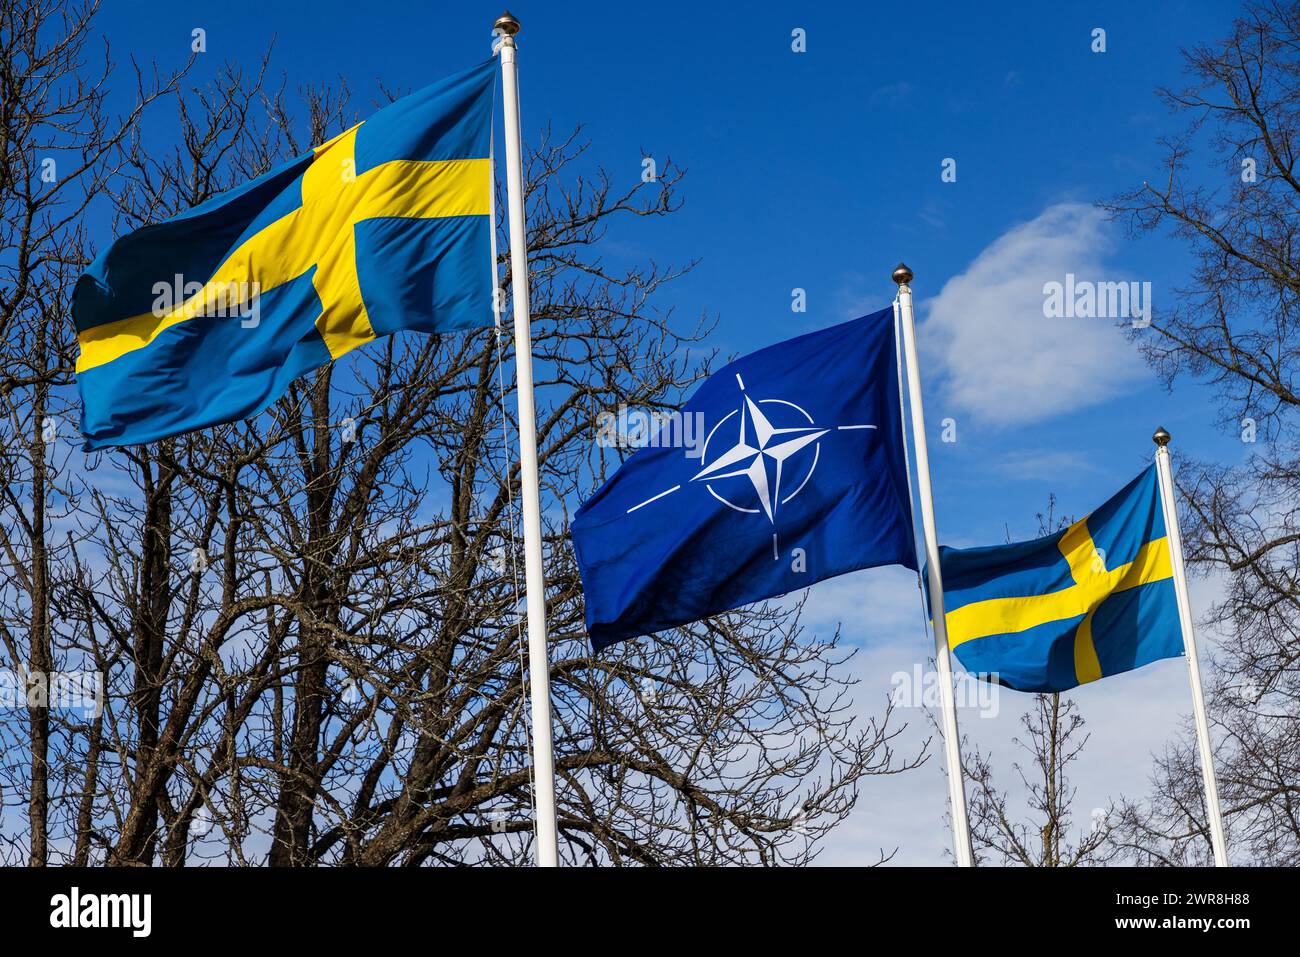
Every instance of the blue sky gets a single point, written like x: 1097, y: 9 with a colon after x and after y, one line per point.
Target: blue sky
x: 821, y: 170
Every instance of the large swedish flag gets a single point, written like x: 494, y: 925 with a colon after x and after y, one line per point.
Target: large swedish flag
x: 1090, y: 601
x: 385, y: 227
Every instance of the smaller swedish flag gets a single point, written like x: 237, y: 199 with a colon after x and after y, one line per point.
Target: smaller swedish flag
x: 1092, y: 600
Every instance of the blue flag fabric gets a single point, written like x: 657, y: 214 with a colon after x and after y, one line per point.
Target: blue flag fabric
x: 799, y: 475
x: 1092, y: 600
x: 208, y: 317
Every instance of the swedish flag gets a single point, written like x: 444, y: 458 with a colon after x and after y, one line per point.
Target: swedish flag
x: 1093, y: 600
x: 208, y: 317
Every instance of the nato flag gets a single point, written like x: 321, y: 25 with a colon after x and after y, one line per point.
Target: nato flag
x: 786, y: 467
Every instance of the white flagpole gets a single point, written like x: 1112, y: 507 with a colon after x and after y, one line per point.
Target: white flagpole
x: 1169, y: 505
x: 951, y: 743
x: 534, y: 573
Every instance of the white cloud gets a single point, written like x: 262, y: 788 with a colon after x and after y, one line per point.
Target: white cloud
x: 892, y: 94
x: 1042, y: 465
x: 999, y: 358
x: 877, y: 602
x: 1130, y: 718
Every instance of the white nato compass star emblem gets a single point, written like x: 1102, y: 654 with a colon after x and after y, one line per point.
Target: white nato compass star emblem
x: 747, y: 459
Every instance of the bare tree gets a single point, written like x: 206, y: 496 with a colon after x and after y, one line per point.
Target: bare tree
x: 309, y: 622
x: 58, y: 140
x: 1230, y: 192
x: 1054, y: 739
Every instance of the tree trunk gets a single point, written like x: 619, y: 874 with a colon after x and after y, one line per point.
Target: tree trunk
x: 40, y: 656
x: 293, y: 819
x: 139, y: 840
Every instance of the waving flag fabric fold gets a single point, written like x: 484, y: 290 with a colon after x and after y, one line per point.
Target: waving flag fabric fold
x: 208, y: 317
x: 1092, y: 600
x: 800, y: 475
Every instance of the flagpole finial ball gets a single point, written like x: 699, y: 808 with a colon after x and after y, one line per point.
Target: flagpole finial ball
x: 1161, y: 438
x: 902, y: 275
x: 506, y: 25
